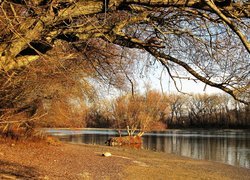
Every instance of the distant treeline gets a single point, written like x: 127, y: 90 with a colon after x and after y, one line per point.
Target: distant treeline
x: 153, y: 110
x: 149, y: 111
x: 208, y: 111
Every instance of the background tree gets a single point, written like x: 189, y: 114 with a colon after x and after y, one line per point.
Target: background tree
x: 206, y: 111
x: 178, y: 104
x: 145, y: 112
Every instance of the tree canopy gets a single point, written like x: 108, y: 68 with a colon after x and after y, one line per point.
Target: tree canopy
x: 205, y: 40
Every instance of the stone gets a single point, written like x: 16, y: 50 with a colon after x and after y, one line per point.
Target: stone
x: 106, y: 154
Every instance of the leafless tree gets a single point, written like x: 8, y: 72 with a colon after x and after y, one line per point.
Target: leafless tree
x: 144, y: 112
x: 206, y: 40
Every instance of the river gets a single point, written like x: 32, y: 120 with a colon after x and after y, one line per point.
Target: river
x: 227, y: 146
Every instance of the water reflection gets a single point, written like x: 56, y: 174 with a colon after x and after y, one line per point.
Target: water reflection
x: 86, y: 138
x: 231, y: 147
x: 227, y: 146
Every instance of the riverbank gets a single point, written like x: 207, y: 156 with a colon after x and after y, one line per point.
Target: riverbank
x: 40, y: 160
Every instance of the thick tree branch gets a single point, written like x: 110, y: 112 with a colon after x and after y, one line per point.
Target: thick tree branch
x: 7, y: 64
x: 79, y: 9
x: 34, y: 28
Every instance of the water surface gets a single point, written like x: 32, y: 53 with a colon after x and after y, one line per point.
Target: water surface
x: 226, y: 146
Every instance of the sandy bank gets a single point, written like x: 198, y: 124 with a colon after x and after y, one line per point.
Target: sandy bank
x: 68, y: 161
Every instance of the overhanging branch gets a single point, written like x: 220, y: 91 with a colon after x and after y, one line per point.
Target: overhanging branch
x: 163, y: 58
x: 229, y: 23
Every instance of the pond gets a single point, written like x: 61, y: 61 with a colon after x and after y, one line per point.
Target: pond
x: 227, y: 146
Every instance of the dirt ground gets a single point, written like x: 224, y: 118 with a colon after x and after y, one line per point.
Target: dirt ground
x: 39, y: 160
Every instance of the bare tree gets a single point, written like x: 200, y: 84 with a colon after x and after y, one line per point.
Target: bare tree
x: 208, y: 39
x: 178, y: 109
x: 144, y: 112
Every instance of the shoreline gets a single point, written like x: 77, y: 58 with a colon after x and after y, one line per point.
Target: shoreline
x: 160, y: 152
x: 210, y: 153
x: 39, y: 160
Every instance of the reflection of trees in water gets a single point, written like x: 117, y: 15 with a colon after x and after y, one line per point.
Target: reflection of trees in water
x: 87, y: 138
x: 230, y: 150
